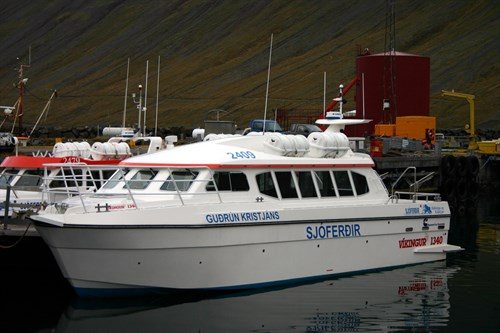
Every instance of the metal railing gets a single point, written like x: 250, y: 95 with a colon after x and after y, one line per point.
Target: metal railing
x: 87, y: 185
x: 413, y: 193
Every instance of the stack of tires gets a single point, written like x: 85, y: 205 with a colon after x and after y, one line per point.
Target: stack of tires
x: 459, y: 183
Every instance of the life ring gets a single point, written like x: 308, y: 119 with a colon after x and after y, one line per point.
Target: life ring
x: 461, y: 166
x: 462, y: 189
x: 472, y: 189
x: 448, y: 188
x: 472, y: 165
x: 448, y: 166
x: 470, y: 206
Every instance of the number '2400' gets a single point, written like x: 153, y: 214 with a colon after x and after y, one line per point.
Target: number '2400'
x: 241, y: 154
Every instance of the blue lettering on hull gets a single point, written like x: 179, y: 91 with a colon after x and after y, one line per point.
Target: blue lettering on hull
x: 333, y: 231
x: 243, y: 217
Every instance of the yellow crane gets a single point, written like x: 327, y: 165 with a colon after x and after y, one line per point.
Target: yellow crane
x: 471, y: 128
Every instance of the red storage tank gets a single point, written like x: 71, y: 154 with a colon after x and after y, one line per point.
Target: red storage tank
x: 407, y: 93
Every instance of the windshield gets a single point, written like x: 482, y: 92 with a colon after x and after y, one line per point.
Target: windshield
x: 271, y: 126
x: 115, y: 179
x: 6, y: 176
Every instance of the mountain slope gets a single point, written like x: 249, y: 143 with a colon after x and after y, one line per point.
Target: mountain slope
x: 214, y: 54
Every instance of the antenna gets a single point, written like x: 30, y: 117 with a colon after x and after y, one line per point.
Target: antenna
x: 145, y: 99
x: 275, y: 118
x: 324, y: 94
x: 139, y: 107
x: 126, y: 93
x: 157, y: 93
x: 267, y: 87
x: 363, y: 92
x: 341, y: 94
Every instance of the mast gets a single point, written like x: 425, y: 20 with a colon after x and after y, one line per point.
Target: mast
x: 125, y: 98
x: 20, y: 85
x: 157, y: 93
x: 145, y: 99
x: 267, y: 86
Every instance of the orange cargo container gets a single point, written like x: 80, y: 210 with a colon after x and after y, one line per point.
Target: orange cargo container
x: 385, y: 129
x: 415, y: 127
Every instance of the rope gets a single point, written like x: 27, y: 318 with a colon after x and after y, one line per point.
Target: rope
x: 16, y: 242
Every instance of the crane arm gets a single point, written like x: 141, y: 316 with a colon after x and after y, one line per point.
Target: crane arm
x: 454, y: 93
x: 470, y: 98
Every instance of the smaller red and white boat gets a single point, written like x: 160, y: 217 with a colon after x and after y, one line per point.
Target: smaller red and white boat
x: 22, y: 176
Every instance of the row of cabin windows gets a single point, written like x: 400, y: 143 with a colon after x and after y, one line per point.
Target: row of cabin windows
x: 326, y: 188
x: 228, y: 181
x: 182, y: 180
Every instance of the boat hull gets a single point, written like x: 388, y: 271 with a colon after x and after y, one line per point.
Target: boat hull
x: 109, y: 260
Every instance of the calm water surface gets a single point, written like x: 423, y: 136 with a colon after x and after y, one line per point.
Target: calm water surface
x: 460, y: 294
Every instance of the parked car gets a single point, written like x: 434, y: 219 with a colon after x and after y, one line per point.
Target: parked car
x: 304, y: 129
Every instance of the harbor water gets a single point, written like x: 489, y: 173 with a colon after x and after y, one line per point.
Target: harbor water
x: 460, y: 294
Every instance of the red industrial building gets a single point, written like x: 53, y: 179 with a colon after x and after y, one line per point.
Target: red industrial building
x: 390, y: 85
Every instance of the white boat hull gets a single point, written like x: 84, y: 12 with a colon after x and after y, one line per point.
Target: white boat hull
x: 98, y: 259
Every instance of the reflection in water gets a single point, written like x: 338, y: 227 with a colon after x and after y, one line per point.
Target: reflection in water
x: 414, y: 297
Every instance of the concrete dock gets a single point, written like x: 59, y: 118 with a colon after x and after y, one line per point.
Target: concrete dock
x: 17, y: 228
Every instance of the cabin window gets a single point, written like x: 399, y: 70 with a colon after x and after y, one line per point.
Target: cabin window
x: 141, y: 179
x: 182, y: 178
x: 306, y: 184
x: 360, y: 183
x: 6, y: 177
x: 115, y: 178
x: 30, y: 179
x: 66, y: 178
x: 229, y: 181
x: 343, y: 183
x: 286, y: 184
x: 325, y: 184
x: 266, y: 184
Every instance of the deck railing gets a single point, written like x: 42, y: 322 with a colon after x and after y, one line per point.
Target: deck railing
x: 85, y: 185
x: 413, y: 193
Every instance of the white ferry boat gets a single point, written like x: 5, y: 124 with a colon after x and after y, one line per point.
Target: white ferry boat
x: 237, y: 212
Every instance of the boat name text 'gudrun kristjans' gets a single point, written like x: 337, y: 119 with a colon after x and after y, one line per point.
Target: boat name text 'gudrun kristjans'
x: 243, y: 217
x: 333, y: 231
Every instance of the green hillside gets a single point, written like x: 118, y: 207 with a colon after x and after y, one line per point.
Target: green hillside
x: 214, y: 54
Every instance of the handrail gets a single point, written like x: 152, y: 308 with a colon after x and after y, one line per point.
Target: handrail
x: 401, y: 176
x: 127, y: 185
x: 78, y: 179
x: 422, y: 180
x: 416, y: 195
x: 415, y: 185
x: 77, y: 187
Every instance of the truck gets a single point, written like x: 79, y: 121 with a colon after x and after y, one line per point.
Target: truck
x: 257, y: 125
